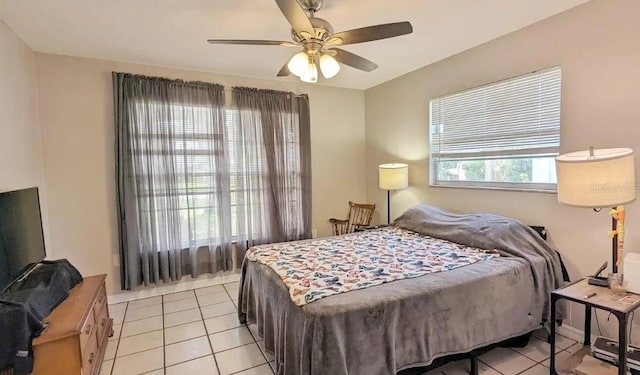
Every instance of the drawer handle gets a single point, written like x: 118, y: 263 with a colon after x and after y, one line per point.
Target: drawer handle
x: 91, y: 357
x: 87, y: 330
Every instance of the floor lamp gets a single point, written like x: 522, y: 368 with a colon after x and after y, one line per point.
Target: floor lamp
x: 599, y: 179
x: 392, y: 176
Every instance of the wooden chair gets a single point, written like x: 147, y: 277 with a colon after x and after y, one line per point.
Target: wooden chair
x: 360, y: 215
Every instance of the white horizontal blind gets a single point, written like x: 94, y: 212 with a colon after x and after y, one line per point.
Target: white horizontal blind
x: 515, y: 117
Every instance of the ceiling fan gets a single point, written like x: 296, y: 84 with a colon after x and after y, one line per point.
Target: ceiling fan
x: 315, y: 35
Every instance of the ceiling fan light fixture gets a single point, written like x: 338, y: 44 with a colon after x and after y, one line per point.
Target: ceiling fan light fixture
x: 311, y: 74
x: 299, y: 63
x: 329, y: 66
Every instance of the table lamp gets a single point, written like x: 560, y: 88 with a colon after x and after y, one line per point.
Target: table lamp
x: 597, y: 179
x: 392, y: 176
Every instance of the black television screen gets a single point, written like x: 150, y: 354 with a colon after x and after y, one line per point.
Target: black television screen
x: 21, y: 238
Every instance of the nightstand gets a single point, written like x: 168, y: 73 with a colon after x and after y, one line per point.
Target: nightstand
x: 600, y: 298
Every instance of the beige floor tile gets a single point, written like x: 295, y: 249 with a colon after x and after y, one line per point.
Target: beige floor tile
x: 238, y: 359
x: 187, y: 350
x: 254, y: 331
x: 116, y: 332
x: 260, y: 370
x: 209, y: 290
x: 184, y: 332
x: 537, y: 370
x: 563, y: 342
x: 143, y: 313
x: 218, y: 309
x: 234, y: 285
x: 230, y: 338
x: 145, y: 302
x: 269, y: 357
x: 178, y: 296
x: 156, y: 372
x: 139, y: 363
x: 507, y: 361
x: 110, y: 352
x: 200, y: 366
x: 463, y: 367
x: 221, y: 323
x: 536, y: 349
x: 117, y: 316
x: 182, y: 317
x: 180, y: 305
x: 210, y: 299
x: 140, y: 343
x: 137, y: 327
x: 105, y: 368
x: 117, y: 307
x: 232, y: 289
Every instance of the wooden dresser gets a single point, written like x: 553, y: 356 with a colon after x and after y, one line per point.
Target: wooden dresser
x: 78, y: 332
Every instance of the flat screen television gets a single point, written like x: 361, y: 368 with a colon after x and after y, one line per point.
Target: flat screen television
x: 21, y: 237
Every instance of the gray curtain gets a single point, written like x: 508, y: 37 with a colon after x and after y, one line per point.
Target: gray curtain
x: 174, y: 212
x: 271, y: 145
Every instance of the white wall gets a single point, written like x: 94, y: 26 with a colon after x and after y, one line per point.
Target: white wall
x: 78, y: 143
x: 597, y: 45
x: 20, y: 144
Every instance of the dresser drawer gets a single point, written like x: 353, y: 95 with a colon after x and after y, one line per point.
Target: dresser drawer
x: 90, y: 354
x: 101, y: 301
x: 102, y: 321
x: 88, y: 330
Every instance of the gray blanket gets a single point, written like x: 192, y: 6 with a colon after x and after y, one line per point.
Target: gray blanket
x: 408, y: 323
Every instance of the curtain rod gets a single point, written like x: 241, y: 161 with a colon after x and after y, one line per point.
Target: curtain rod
x: 230, y: 89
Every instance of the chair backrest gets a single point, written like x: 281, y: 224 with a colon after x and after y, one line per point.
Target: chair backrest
x: 360, y: 215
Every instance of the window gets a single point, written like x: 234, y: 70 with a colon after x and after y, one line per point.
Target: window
x: 503, y: 135
x: 197, y: 166
x: 248, y: 169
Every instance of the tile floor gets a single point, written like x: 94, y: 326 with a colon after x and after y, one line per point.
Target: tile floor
x: 197, y: 333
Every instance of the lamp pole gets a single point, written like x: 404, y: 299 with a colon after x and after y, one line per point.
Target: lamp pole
x: 388, y: 207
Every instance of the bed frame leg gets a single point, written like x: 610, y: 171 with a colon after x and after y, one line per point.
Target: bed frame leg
x: 474, y: 364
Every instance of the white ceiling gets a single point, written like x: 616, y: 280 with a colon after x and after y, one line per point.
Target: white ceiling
x: 174, y: 32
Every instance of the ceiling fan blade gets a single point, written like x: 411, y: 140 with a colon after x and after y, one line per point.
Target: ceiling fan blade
x: 296, y: 17
x: 284, y: 71
x: 354, y: 60
x: 252, y: 42
x: 369, y: 33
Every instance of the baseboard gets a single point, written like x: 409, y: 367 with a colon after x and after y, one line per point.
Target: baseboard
x: 571, y: 333
x: 180, y: 286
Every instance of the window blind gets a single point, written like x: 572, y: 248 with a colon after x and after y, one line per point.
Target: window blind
x: 515, y: 117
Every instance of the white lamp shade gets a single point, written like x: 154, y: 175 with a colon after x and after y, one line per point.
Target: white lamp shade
x: 605, y: 178
x: 311, y: 74
x: 298, y: 64
x: 329, y: 66
x: 393, y: 176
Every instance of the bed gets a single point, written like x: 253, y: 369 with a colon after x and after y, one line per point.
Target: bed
x: 409, y: 322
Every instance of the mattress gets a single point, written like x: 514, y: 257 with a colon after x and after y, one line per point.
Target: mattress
x: 400, y: 324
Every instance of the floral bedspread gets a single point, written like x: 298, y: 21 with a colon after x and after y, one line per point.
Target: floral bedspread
x: 322, y: 267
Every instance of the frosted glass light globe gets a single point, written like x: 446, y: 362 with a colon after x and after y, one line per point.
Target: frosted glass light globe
x: 298, y: 63
x: 329, y: 66
x: 311, y: 74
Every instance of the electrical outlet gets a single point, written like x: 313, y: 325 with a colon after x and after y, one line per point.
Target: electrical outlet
x: 116, y: 260
x: 314, y: 233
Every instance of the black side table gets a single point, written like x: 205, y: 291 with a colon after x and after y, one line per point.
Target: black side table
x: 600, y: 298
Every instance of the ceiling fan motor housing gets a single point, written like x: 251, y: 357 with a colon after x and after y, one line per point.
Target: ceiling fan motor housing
x: 321, y: 27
